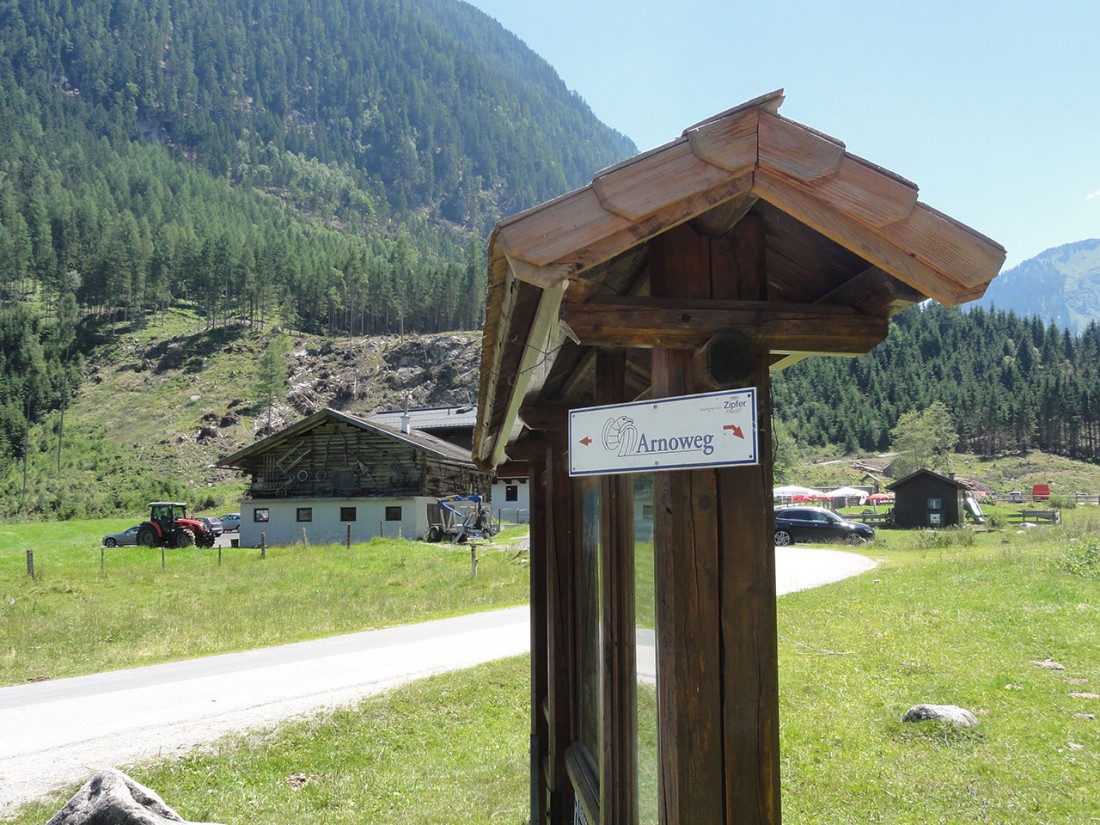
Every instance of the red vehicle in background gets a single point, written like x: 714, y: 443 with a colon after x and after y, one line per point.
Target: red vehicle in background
x: 169, y: 526
x: 1040, y: 492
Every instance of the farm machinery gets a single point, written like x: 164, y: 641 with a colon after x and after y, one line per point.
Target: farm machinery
x: 461, y: 518
x: 169, y: 526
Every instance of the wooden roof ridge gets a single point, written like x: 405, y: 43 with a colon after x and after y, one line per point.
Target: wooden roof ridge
x: 722, y: 166
x: 924, y: 471
x: 422, y: 440
x: 753, y: 150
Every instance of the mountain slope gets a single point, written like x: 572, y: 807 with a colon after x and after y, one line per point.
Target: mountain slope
x: 422, y: 100
x: 1060, y: 285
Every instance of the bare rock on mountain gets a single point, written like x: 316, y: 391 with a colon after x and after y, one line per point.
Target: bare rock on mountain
x: 111, y: 796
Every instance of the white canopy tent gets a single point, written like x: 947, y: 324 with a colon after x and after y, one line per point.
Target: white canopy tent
x: 793, y: 490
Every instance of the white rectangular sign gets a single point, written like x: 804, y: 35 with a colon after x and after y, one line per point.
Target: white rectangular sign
x: 716, y: 429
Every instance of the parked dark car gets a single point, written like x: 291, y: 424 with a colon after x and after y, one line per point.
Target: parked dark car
x: 814, y: 524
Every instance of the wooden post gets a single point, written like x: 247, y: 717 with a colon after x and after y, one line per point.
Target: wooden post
x: 473, y: 561
x: 717, y: 648
x: 101, y: 559
x: 219, y: 555
x: 162, y: 564
x: 347, y: 539
x: 263, y: 545
x: 536, y: 474
x: 30, y: 563
x: 618, y: 759
x: 561, y: 630
x: 305, y: 538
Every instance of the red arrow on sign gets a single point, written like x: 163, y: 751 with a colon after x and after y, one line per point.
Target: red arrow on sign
x: 733, y: 428
x: 586, y: 441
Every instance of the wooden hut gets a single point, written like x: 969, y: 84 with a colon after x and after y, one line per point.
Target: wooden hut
x: 748, y: 243
x: 927, y: 499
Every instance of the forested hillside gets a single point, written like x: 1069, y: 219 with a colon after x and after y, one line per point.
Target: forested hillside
x: 334, y: 164
x: 1011, y: 383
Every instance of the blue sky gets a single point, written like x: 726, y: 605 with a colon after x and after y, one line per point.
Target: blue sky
x: 991, y: 108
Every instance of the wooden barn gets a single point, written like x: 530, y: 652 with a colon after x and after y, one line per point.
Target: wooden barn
x: 709, y: 263
x: 332, y: 471
x: 927, y: 499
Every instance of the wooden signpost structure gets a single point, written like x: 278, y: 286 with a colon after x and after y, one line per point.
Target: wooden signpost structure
x: 707, y: 264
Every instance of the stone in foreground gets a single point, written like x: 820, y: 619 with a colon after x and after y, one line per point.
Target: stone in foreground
x: 111, y: 796
x: 941, y: 713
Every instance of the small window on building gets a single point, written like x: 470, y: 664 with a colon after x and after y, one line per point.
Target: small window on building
x: 305, y: 514
x: 261, y: 514
x: 647, y: 511
x: 393, y: 514
x: 511, y: 492
x: 347, y: 514
x: 935, y: 504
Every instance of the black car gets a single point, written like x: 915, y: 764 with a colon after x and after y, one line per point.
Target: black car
x: 817, y: 524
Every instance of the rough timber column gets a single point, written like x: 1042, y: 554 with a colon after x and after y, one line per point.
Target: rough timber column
x: 717, y: 673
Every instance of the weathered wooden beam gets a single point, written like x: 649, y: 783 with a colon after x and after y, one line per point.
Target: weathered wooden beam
x: 750, y: 655
x: 677, y: 324
x: 720, y: 363
x: 717, y: 691
x: 548, y: 417
x: 561, y: 699
x: 873, y: 292
x: 618, y: 759
x: 540, y: 738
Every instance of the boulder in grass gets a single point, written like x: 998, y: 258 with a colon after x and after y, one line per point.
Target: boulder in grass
x: 111, y: 796
x: 941, y: 713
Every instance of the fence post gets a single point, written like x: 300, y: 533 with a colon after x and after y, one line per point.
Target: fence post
x: 305, y: 538
x: 347, y: 539
x: 473, y: 561
x: 263, y: 545
x: 101, y: 559
x: 30, y: 563
x: 162, y: 567
x: 219, y: 555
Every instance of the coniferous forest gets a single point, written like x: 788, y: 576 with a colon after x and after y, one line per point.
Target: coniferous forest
x: 337, y: 165
x: 1011, y: 383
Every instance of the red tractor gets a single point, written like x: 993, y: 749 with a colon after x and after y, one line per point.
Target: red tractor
x: 168, y: 526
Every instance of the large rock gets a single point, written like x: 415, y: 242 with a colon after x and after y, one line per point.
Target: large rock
x: 110, y: 797
x: 941, y: 713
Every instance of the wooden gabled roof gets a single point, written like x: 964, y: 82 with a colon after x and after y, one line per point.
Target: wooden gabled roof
x: 841, y: 233
x: 436, y: 447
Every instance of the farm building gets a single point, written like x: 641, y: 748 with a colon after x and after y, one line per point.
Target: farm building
x: 698, y: 268
x: 927, y: 499
x: 332, y: 471
x: 509, y: 498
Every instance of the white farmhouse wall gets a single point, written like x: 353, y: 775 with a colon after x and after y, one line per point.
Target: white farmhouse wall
x: 325, y: 525
x: 518, y: 510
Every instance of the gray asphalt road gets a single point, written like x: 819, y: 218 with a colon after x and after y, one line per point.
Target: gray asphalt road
x: 56, y: 733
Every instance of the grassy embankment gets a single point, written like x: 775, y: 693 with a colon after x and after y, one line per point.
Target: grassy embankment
x: 951, y: 617
x: 74, y: 618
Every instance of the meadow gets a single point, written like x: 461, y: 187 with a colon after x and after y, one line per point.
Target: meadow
x: 1005, y: 623
x: 76, y: 617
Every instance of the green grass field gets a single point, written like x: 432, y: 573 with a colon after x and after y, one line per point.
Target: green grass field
x: 951, y: 617
x: 74, y: 618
